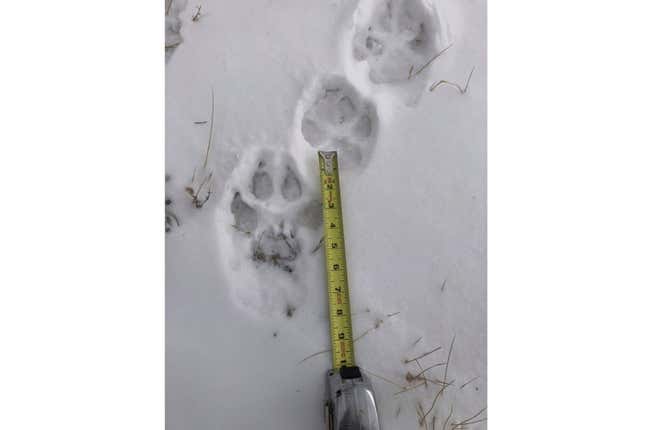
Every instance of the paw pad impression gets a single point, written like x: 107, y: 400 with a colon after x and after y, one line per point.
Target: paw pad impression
x: 396, y: 38
x: 276, y: 218
x: 338, y: 118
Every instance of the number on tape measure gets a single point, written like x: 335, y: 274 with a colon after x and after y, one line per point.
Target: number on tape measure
x: 339, y: 308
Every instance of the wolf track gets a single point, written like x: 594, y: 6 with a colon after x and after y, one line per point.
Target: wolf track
x: 336, y: 117
x: 273, y: 223
x: 396, y: 38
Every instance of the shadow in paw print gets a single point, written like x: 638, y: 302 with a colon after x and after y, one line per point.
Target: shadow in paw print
x: 340, y: 119
x: 262, y: 212
x: 291, y: 188
x: 246, y: 218
x: 276, y: 217
x: 261, y: 184
x: 277, y: 249
x: 397, y: 39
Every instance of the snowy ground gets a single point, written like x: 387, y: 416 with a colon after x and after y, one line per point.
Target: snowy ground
x: 245, y: 288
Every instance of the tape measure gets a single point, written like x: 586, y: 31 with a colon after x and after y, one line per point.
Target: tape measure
x: 351, y: 403
x: 340, y: 316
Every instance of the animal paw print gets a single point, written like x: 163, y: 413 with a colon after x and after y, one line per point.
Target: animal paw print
x: 275, y: 218
x: 397, y: 38
x: 173, y: 26
x: 339, y: 119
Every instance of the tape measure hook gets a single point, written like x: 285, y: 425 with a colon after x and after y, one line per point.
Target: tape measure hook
x: 328, y: 158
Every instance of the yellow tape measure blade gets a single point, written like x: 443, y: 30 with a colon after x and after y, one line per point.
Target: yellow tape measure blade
x: 340, y: 317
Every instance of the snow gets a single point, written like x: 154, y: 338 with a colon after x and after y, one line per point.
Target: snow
x: 269, y: 223
x: 173, y: 26
x: 245, y: 284
x: 337, y: 118
x: 396, y: 37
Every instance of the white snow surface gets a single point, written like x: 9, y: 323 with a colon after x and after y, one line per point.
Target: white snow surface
x: 245, y: 291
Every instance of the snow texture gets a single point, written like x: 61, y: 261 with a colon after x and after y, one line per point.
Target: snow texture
x: 173, y: 26
x: 273, y: 226
x: 246, y: 301
x: 340, y: 119
x: 396, y: 38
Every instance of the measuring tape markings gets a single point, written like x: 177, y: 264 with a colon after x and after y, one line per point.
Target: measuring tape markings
x: 340, y: 317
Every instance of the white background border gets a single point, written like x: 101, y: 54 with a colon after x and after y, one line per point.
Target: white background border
x: 566, y: 214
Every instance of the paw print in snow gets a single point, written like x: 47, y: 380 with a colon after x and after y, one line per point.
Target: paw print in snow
x: 275, y: 218
x: 396, y: 38
x: 338, y: 118
x: 173, y: 25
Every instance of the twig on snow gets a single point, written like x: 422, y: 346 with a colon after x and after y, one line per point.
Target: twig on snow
x: 468, y: 382
x: 422, y: 355
x: 320, y: 244
x: 382, y: 377
x: 422, y: 68
x: 198, y: 13
x: 445, y: 371
x: 461, y: 89
x: 432, y: 406
x: 195, y: 188
x: 445, y: 423
x: 468, y: 421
